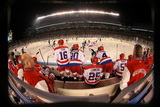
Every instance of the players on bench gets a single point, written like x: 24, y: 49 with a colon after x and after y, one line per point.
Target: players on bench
x: 76, y: 60
x: 93, y: 73
x: 120, y: 65
x: 105, y: 61
x: 62, y: 57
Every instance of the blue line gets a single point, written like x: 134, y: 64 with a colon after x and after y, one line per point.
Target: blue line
x: 52, y: 63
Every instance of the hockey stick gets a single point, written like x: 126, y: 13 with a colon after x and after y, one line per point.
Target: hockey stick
x: 47, y: 59
x: 37, y: 53
x: 116, y: 51
x: 42, y: 56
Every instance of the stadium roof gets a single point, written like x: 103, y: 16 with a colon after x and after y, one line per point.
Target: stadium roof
x: 24, y: 13
x: 79, y: 11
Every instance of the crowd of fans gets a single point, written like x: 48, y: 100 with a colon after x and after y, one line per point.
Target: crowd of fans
x: 145, y: 38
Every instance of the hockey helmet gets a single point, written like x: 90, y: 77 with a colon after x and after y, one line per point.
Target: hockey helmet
x: 35, y: 59
x: 61, y: 42
x: 130, y: 57
x: 122, y: 55
x: 75, y: 46
x: 94, y: 60
x: 101, y: 48
x: 19, y: 59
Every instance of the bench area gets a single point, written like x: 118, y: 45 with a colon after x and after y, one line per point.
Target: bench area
x: 80, y: 88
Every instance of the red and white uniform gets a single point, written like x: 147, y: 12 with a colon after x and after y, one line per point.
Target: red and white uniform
x: 133, y: 72
x: 45, y: 71
x: 89, y: 44
x: 76, y: 60
x: 119, y: 66
x: 102, y: 55
x: 95, y: 42
x: 62, y: 55
x: 148, y: 62
x: 12, y: 67
x: 37, y: 80
x: 105, y: 61
x: 20, y: 71
x: 92, y: 74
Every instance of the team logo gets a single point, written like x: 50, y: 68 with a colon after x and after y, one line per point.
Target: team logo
x: 62, y: 49
x: 138, y: 71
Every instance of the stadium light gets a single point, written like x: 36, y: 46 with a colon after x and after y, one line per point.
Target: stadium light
x: 80, y: 11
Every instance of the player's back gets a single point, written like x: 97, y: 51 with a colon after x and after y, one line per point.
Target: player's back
x: 77, y: 57
x: 104, y: 59
x: 101, y: 54
x: 89, y: 44
x: 137, y: 69
x: 92, y: 74
x: 62, y: 54
x: 119, y: 66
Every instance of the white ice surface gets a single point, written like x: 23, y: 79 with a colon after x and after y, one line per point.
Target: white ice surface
x: 112, y: 46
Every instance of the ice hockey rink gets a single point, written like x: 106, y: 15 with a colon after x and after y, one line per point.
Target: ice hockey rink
x: 69, y: 89
x: 113, y: 47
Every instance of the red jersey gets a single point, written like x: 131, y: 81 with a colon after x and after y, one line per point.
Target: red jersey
x: 148, y: 62
x: 33, y: 78
x: 12, y: 67
x: 137, y: 70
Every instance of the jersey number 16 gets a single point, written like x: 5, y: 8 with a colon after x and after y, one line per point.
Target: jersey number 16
x: 63, y: 55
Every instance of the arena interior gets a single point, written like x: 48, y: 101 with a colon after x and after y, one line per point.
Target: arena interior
x: 102, y: 28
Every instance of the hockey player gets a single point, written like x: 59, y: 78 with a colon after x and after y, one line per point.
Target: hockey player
x: 120, y: 65
x: 54, y: 43
x: 130, y: 57
x: 149, y: 61
x: 93, y: 53
x: 76, y: 60
x: 93, y: 73
x: 49, y: 41
x: 45, y: 70
x: 66, y: 41
x: 34, y: 78
x: 83, y: 45
x: 20, y: 69
x: 90, y: 45
x: 17, y: 54
x: 95, y: 43
x: 11, y: 64
x: 62, y: 56
x: 22, y: 51
x: 145, y: 54
x: 134, y: 70
x: 105, y: 61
